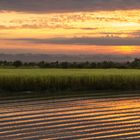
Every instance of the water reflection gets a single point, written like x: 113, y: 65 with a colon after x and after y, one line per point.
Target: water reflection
x: 104, y: 117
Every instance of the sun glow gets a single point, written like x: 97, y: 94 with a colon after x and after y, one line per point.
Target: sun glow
x: 126, y: 49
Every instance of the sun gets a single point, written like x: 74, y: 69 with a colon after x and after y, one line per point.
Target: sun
x: 126, y: 49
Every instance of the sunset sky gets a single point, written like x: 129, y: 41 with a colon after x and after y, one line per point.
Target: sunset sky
x: 70, y: 26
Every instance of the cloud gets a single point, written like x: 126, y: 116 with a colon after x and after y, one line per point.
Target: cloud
x: 137, y: 33
x: 102, y: 41
x: 67, y: 5
x: 25, y: 26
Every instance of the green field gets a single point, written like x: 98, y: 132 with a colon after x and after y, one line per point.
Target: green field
x: 68, y: 79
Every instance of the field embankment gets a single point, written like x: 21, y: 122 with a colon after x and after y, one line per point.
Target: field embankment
x: 18, y: 80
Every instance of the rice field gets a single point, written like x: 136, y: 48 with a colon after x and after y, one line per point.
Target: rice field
x: 69, y: 118
x: 16, y: 80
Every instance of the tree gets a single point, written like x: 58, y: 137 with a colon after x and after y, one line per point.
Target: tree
x: 136, y: 63
x: 17, y: 64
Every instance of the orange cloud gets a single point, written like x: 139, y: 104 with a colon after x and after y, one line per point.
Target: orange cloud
x: 122, y: 24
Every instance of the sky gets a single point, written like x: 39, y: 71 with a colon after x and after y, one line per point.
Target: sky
x: 70, y: 26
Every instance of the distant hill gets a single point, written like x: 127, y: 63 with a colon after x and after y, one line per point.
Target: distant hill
x: 63, y: 57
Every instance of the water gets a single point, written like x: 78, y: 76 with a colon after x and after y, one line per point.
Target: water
x: 92, y: 117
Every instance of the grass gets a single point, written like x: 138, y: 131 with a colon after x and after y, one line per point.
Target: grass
x: 18, y: 80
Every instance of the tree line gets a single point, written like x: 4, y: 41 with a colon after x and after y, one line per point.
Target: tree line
x: 43, y: 64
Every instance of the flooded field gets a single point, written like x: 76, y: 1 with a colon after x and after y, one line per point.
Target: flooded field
x: 95, y: 117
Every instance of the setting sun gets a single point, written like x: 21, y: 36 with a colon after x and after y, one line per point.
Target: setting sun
x: 126, y: 49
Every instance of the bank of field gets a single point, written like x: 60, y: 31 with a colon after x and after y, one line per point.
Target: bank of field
x: 68, y: 79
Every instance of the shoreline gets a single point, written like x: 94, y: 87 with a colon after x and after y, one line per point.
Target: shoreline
x: 67, y: 94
